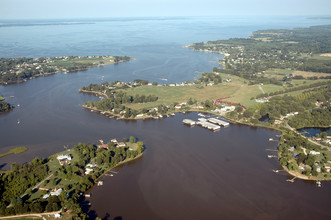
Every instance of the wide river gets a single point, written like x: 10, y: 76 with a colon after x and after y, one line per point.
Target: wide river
x: 185, y: 173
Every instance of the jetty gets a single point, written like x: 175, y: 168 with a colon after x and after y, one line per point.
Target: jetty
x: 291, y: 180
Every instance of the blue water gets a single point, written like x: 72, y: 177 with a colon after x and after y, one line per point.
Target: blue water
x: 311, y: 132
x: 157, y: 43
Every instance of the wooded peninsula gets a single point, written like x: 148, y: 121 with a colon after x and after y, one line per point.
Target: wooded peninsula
x: 60, y: 181
x: 15, y: 70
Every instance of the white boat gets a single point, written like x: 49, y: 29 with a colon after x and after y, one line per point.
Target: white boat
x: 318, y: 183
x: 18, y: 122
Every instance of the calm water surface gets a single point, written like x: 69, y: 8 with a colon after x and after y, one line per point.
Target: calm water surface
x: 185, y: 173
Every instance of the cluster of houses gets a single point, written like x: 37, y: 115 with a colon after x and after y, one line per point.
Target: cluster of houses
x: 327, y: 140
x: 277, y: 122
x: 114, y: 141
x: 54, y: 192
x: 326, y: 166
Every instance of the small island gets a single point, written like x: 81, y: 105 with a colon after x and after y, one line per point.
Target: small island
x: 15, y: 70
x: 4, y: 106
x: 56, y: 185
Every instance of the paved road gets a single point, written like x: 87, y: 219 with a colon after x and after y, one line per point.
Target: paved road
x: 36, y: 186
x: 31, y: 215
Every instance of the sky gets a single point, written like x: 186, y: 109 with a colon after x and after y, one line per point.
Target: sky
x: 51, y: 9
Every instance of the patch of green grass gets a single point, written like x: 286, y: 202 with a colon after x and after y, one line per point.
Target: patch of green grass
x: 85, y: 60
x: 2, y: 98
x: 279, y: 71
x: 168, y: 95
x: 321, y: 57
x: 16, y: 150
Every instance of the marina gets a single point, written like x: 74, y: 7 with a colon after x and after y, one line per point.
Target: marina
x: 210, y: 123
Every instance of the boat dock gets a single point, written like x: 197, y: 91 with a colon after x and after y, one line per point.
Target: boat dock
x: 189, y: 122
x: 218, y: 122
x: 210, y: 123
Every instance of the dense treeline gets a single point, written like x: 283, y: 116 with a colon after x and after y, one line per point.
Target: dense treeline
x: 14, y: 183
x: 313, y: 109
x: 116, y: 103
x: 4, y: 106
x: 322, y: 66
x: 209, y: 78
x: 268, y: 49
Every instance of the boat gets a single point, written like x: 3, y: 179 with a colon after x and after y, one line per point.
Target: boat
x: 88, y: 195
x: 318, y: 183
x: 271, y: 156
x: 18, y: 122
x: 100, y: 183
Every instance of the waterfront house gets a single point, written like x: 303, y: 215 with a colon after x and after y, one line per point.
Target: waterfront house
x: 121, y: 144
x: 178, y: 107
x: 64, y: 159
x: 114, y: 141
x: 103, y: 145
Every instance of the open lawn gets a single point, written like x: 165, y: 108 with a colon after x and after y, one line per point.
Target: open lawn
x: 237, y: 90
x: 169, y: 95
x: 323, y: 56
x: 310, y: 74
x: 278, y: 73
x: 85, y: 60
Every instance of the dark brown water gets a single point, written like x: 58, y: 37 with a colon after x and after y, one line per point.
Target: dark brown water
x: 192, y: 173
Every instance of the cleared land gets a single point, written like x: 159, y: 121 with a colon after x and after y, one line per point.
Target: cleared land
x: 310, y: 74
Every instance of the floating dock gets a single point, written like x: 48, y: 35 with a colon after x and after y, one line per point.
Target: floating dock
x: 219, y: 122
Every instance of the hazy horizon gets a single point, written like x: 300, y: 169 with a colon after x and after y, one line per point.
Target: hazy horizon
x: 85, y: 9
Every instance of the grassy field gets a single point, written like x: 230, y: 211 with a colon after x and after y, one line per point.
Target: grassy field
x: 94, y: 61
x: 16, y: 150
x: 238, y: 91
x: 310, y: 74
x: 278, y: 73
x: 2, y: 98
x: 168, y: 95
